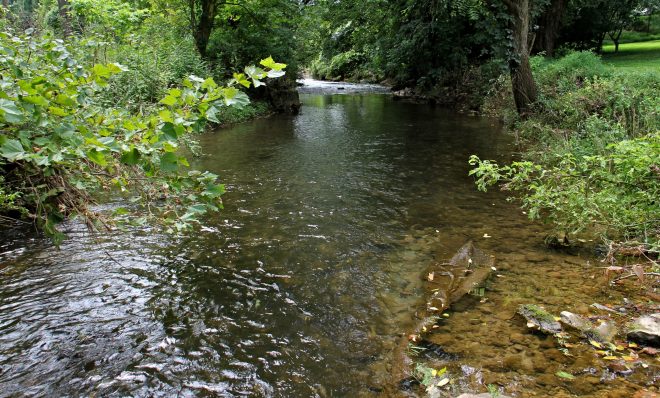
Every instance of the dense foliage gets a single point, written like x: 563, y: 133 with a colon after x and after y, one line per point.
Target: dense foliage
x: 592, y: 159
x: 61, y: 143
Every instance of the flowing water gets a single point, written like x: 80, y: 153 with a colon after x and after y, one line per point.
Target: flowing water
x: 304, y: 283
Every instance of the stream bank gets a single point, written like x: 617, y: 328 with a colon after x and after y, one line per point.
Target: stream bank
x: 304, y: 283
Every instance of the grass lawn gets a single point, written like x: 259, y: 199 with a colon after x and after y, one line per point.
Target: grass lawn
x: 641, y: 55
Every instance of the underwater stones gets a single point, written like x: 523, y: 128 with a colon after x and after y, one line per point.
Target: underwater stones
x: 575, y: 321
x: 519, y: 362
x: 539, y: 318
x: 646, y: 394
x: 603, y: 333
x: 645, y: 330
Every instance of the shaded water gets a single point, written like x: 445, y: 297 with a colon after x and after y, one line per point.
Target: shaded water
x: 303, y: 284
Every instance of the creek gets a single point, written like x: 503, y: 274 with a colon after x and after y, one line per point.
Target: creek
x: 306, y: 280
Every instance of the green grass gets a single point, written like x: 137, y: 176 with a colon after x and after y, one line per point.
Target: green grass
x: 641, y: 55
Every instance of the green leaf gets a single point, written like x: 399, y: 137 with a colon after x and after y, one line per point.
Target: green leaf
x: 169, y: 162
x: 270, y: 64
x: 169, y: 100
x: 97, y: 157
x: 214, y: 190
x: 101, y: 71
x: 57, y: 111
x: 36, y: 100
x: 212, y: 114
x: 12, y: 150
x: 12, y: 113
x: 239, y: 100
x: 209, y: 83
x: 130, y: 157
x: 240, y: 79
x: 169, y: 132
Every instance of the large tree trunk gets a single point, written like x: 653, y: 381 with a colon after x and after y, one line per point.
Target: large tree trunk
x: 65, y: 18
x: 522, y: 80
x: 549, y: 25
x: 203, y: 27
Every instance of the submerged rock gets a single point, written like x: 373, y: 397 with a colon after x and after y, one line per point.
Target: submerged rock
x: 575, y: 321
x: 445, y: 284
x: 645, y: 330
x: 603, y: 333
x: 539, y: 318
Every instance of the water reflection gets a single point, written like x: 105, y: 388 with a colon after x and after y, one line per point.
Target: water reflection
x: 298, y: 288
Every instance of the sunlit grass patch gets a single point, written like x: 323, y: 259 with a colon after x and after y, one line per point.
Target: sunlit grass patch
x: 641, y: 55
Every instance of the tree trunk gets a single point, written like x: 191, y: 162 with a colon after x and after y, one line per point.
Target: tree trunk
x: 202, y: 29
x: 549, y: 25
x: 522, y: 80
x: 616, y: 40
x: 65, y: 18
x: 601, y: 39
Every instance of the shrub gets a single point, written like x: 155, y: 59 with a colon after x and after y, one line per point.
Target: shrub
x: 591, y: 159
x: 60, y: 145
x: 614, y: 194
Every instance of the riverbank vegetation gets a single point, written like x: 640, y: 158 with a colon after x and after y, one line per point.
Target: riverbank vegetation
x: 587, y: 126
x: 101, y: 96
x: 591, y: 152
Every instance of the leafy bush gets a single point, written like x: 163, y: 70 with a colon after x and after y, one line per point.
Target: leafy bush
x: 564, y: 74
x: 60, y: 145
x: 592, y: 151
x: 342, y: 66
x: 615, y: 194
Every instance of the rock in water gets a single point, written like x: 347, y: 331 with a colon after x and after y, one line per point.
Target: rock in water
x: 575, y: 321
x: 283, y: 95
x: 540, y: 318
x: 604, y: 333
x: 445, y: 284
x: 645, y: 330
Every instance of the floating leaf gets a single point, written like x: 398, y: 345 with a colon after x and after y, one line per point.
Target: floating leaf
x: 443, y: 382
x: 565, y: 375
x: 595, y: 344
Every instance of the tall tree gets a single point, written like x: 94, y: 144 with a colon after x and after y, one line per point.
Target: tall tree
x: 202, y: 18
x: 522, y: 80
x: 65, y: 19
x: 549, y: 25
